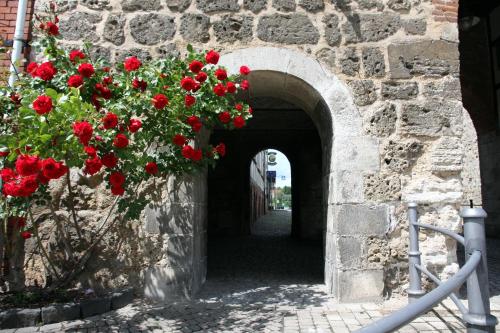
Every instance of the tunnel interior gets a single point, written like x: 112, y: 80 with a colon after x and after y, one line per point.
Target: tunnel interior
x: 240, y: 245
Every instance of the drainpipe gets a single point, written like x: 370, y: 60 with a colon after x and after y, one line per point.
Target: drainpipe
x: 18, y: 40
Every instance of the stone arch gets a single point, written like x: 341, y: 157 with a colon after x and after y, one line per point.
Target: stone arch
x: 347, y: 154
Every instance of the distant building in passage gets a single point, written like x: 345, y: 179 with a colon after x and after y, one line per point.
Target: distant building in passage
x: 258, y: 184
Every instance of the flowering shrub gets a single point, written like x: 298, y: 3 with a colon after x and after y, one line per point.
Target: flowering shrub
x: 127, y: 123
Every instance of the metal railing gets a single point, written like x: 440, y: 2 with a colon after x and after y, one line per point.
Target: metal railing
x: 477, y: 317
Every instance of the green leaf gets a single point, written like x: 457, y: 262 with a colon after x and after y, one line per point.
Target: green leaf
x: 190, y: 48
x: 51, y: 93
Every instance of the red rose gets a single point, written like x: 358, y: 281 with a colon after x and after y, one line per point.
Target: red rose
x: 27, y: 186
x: 195, y: 66
x: 83, y: 130
x: 244, y: 85
x: 134, y: 125
x: 179, y: 140
x: 74, y: 54
x: 107, y: 80
x: 250, y: 110
x: 238, y: 107
x: 93, y: 165
x: 244, y: 70
x: 7, y: 174
x: 159, y: 101
x: 75, y: 81
x: 187, y: 83
x: 189, y: 100
x: 197, y: 87
x: 187, y: 151
x: 151, y: 168
x: 32, y: 67
x: 239, y: 122
x: 91, y: 151
x: 109, y: 160
x: 191, y: 120
x: 120, y: 141
x: 212, y: 57
x: 197, y: 155
x: 219, y: 89
x: 27, y: 165
x: 201, y: 77
x: 46, y: 71
x: 52, y: 28
x: 25, y: 234
x: 116, y: 178
x: 221, y: 74
x: 139, y: 84
x: 86, y: 69
x: 42, y: 104
x: 225, y: 117
x: 110, y: 120
x: 105, y: 92
x: 117, y: 190
x: 132, y: 64
x: 231, y: 87
x: 197, y: 127
x: 221, y: 149
x: 52, y: 169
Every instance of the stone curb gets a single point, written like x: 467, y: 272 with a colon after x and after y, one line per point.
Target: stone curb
x: 17, y: 318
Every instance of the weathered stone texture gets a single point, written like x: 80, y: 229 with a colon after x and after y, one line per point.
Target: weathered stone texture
x: 312, y: 5
x: 448, y: 88
x: 447, y: 155
x: 399, y: 90
x: 370, y: 27
x: 234, y: 28
x: 399, y: 5
x: 195, y: 27
x: 178, y: 5
x: 429, y: 57
x: 366, y: 220
x: 113, y: 29
x: 415, y: 26
x: 332, y: 32
x: 382, y: 187
x: 350, y: 62
x: 150, y: 29
x: 255, y: 5
x: 327, y: 56
x: 209, y: 6
x: 364, y: 92
x: 373, y: 62
x: 370, y: 4
x: 287, y: 29
x: 380, y: 121
x: 284, y: 5
x: 168, y: 50
x: 400, y: 155
x: 121, y: 55
x: 432, y: 118
x: 100, y: 52
x: 147, y: 5
x: 96, y: 4
x: 80, y: 26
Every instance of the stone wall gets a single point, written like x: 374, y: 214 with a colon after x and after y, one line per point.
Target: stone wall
x: 408, y: 138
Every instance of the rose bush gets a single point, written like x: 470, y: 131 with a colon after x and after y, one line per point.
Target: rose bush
x: 127, y: 124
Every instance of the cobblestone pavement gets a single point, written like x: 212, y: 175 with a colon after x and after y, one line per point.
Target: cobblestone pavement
x: 274, y: 296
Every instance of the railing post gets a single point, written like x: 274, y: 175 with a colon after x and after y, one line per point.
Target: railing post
x: 415, y: 289
x: 478, y: 319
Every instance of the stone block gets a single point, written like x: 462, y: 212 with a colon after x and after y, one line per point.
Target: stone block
x: 170, y: 218
x: 399, y: 5
x: 370, y: 4
x: 234, y: 28
x: 96, y: 4
x: 415, y: 26
x: 364, y: 92
x: 96, y: 306
x: 136, y: 5
x: 382, y: 187
x: 14, y: 318
x: 380, y: 120
x: 255, y: 5
x: 346, y: 187
x: 367, y: 220
x: 195, y: 27
x: 80, y: 26
x: 178, y: 5
x: 424, y: 57
x: 168, y: 50
x: 163, y: 283
x: 209, y: 6
x: 400, y: 155
x: 287, y: 29
x: 113, y: 29
x: 350, y: 252
x: 332, y: 32
x: 373, y: 62
x: 350, y: 62
x: 447, y: 155
x: 122, y: 298
x: 360, y: 286
x: 327, y: 56
x: 60, y: 312
x: 312, y: 5
x: 150, y: 29
x: 100, y: 52
x: 432, y: 189
x: 356, y: 154
x: 448, y: 88
x: 284, y: 5
x: 370, y: 27
x: 399, y: 90
x: 141, y: 54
